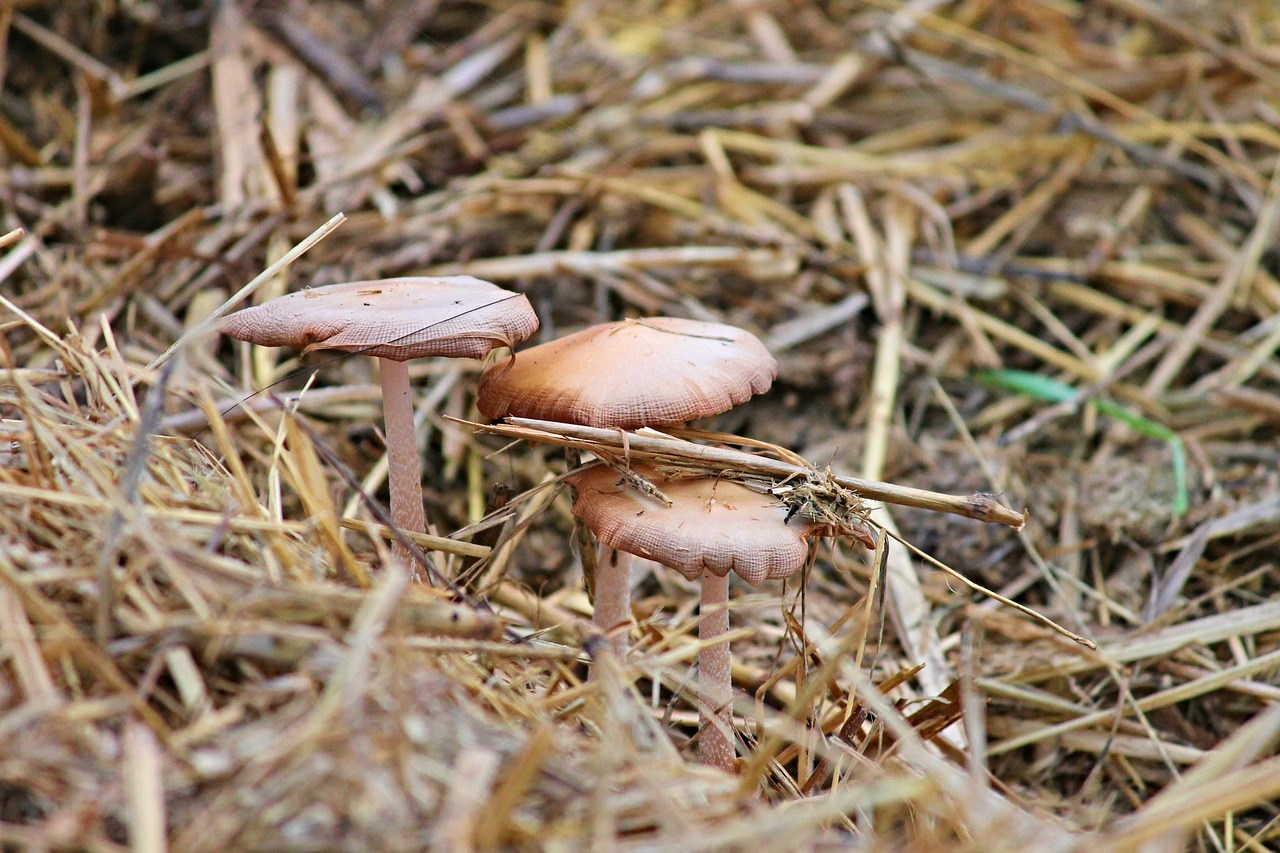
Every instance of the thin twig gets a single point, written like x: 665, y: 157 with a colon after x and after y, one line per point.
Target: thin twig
x: 653, y: 446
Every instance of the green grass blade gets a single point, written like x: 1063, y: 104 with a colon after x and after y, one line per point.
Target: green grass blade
x: 1048, y: 390
x: 1028, y: 384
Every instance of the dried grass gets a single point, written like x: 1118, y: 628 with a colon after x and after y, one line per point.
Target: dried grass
x: 199, y: 646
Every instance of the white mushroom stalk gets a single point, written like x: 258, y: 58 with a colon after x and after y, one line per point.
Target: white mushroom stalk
x: 404, y: 465
x: 715, y: 670
x: 612, y: 611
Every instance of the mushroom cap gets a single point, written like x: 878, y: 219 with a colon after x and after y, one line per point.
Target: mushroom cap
x: 395, y: 318
x: 651, y: 372
x: 713, y: 525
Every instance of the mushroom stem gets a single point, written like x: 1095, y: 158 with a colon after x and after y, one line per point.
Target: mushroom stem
x: 715, y: 744
x: 404, y: 467
x: 612, y: 613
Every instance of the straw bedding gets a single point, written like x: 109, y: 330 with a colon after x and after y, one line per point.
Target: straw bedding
x: 1024, y: 249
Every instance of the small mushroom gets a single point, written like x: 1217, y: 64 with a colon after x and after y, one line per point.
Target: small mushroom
x: 656, y: 371
x: 394, y: 320
x: 712, y: 527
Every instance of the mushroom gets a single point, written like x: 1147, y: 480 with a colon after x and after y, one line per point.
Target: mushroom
x: 394, y: 320
x: 712, y: 527
x: 657, y: 371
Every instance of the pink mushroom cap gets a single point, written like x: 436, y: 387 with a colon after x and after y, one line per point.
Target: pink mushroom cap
x: 395, y: 318
x: 713, y: 525
x: 651, y: 372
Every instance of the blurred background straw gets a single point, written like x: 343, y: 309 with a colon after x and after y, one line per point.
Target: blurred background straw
x: 198, y: 647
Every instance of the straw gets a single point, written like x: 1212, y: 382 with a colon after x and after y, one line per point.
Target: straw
x: 1015, y: 263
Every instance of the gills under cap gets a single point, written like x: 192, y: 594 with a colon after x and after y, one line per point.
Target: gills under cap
x: 651, y: 372
x: 394, y: 318
x: 713, y: 525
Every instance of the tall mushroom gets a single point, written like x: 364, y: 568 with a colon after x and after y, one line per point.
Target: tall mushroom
x: 657, y: 371
x: 711, y: 528
x: 394, y: 320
